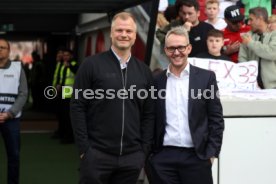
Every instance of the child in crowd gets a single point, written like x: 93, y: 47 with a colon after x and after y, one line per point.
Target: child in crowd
x: 215, y: 42
x: 212, y: 11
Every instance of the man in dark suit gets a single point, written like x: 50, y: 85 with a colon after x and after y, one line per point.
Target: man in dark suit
x: 189, y: 121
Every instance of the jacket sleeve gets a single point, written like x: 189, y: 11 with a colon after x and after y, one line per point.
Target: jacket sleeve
x: 22, y: 95
x: 215, y: 119
x: 78, y: 107
x: 243, y: 53
x: 147, y: 129
x: 264, y: 50
x: 161, y: 32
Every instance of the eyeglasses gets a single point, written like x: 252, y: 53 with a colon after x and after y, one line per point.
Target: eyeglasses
x: 3, y: 48
x: 180, y: 48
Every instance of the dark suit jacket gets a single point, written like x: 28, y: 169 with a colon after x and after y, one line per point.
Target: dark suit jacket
x: 205, y: 114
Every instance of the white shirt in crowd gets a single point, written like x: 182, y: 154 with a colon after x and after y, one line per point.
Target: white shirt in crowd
x: 220, y: 24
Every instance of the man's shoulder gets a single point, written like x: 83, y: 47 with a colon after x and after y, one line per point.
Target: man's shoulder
x: 160, y: 76
x: 176, y: 23
x: 97, y: 57
x: 205, y: 25
x: 201, y: 71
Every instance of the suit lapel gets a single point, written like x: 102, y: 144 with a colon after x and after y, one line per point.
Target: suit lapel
x: 162, y: 86
x: 193, y: 88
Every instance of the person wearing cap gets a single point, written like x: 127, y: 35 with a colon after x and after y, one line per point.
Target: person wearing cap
x: 260, y: 45
x: 233, y: 31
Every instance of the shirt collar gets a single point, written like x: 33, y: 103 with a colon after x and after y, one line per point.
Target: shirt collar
x: 123, y: 65
x: 185, y: 71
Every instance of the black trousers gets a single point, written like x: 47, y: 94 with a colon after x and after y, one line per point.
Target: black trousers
x: 97, y: 167
x: 10, y: 131
x: 173, y: 165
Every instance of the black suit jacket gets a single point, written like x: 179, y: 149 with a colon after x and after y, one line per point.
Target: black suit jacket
x: 205, y: 114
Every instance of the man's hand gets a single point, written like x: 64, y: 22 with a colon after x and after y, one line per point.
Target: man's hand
x: 188, y: 26
x: 232, y: 48
x: 4, y: 117
x: 246, y: 38
x: 81, y: 156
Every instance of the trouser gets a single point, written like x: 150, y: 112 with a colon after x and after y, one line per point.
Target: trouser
x: 10, y: 131
x: 97, y: 167
x: 66, y: 126
x: 174, y: 165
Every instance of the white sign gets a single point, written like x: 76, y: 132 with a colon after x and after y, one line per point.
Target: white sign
x: 230, y: 76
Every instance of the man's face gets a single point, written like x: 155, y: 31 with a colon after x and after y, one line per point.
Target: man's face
x: 233, y: 26
x: 189, y: 14
x: 178, y: 59
x: 59, y: 55
x: 215, y: 44
x: 67, y: 56
x: 212, y: 10
x: 254, y: 23
x: 4, y: 50
x: 123, y: 34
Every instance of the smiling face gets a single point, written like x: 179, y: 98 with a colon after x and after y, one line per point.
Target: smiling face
x: 123, y: 33
x: 178, y: 57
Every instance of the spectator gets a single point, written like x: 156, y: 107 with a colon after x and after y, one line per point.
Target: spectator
x: 260, y: 45
x: 232, y: 33
x: 215, y: 43
x: 188, y: 10
x: 212, y: 10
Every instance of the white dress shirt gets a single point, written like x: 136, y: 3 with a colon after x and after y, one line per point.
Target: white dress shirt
x: 177, y: 130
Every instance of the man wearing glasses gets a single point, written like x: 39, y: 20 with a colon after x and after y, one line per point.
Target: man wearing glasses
x: 13, y: 95
x: 189, y: 121
x: 232, y: 33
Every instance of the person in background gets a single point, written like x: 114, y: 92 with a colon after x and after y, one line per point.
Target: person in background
x: 260, y: 45
x: 66, y: 80
x: 188, y: 125
x: 38, y: 82
x: 13, y: 95
x: 215, y: 42
x: 188, y: 11
x: 161, y: 20
x: 56, y: 84
x: 113, y: 133
x: 232, y: 33
x: 212, y: 10
x: 272, y: 23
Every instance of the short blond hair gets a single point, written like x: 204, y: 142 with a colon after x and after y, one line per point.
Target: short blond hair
x: 178, y: 30
x: 272, y: 19
x: 124, y: 16
x: 211, y: 2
